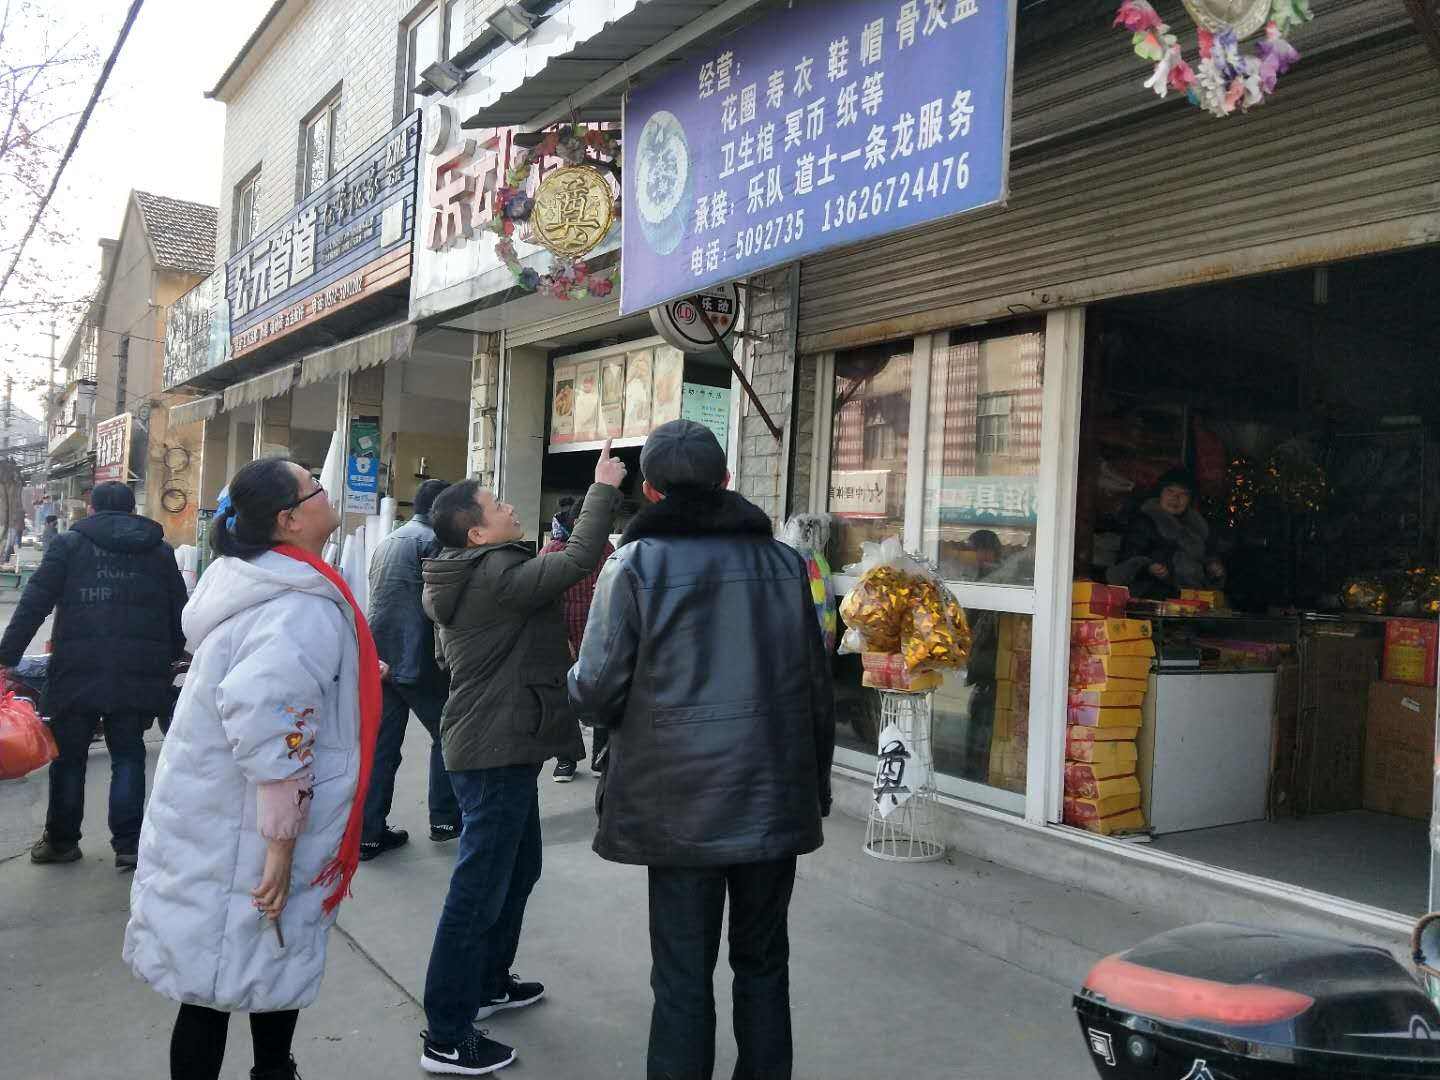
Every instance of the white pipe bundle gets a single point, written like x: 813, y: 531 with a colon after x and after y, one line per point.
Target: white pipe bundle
x: 372, y: 538
x: 388, y: 507
x: 353, y: 567
x: 332, y: 474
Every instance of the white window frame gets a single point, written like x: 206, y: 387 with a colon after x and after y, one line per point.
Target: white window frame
x: 329, y: 110
x: 1047, y: 600
x: 447, y: 10
x: 239, y: 235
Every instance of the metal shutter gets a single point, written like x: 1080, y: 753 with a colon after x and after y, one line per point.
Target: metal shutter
x: 1342, y: 162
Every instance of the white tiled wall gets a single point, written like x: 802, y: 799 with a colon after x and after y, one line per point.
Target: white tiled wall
x: 356, y: 44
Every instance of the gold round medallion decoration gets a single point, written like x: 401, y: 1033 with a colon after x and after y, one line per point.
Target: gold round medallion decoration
x: 574, y: 209
x: 1245, y: 17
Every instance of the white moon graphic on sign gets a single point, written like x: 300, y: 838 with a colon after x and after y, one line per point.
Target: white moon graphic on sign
x: 664, y: 185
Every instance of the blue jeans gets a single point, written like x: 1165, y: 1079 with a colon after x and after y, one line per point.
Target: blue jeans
x: 124, y: 736
x: 497, y: 866
x: 427, y: 701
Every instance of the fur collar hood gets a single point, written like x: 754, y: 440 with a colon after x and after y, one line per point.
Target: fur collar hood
x: 699, y: 513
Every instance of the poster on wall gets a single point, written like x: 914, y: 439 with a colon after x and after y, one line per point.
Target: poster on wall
x: 669, y: 382
x: 362, y: 466
x: 708, y: 405
x: 1011, y: 501
x: 612, y: 397
x: 860, y: 493
x: 638, y: 384
x: 587, y: 402
x: 562, y: 405
x: 823, y: 123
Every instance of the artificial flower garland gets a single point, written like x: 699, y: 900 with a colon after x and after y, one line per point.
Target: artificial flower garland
x: 1227, y: 79
x: 567, y: 279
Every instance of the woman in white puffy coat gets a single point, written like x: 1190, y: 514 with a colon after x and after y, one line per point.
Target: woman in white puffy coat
x: 256, y: 782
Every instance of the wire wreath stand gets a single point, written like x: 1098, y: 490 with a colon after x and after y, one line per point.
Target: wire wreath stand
x: 903, y: 824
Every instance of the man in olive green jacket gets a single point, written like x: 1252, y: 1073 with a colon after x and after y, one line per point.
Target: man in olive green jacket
x: 502, y: 633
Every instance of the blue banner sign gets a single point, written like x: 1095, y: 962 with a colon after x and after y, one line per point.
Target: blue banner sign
x: 817, y: 126
x: 348, y: 240
x: 990, y: 500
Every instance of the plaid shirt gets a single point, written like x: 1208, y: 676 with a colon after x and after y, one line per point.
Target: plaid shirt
x: 577, y: 597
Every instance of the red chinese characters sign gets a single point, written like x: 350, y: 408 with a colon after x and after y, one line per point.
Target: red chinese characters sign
x: 112, y: 449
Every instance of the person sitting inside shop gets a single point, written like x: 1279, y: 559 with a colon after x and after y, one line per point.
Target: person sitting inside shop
x: 1168, y: 546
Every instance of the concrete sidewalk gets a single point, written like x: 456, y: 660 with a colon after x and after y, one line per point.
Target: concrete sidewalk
x: 874, y: 995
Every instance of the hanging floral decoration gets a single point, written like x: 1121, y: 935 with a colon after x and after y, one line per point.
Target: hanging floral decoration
x: 567, y: 279
x: 1227, y: 77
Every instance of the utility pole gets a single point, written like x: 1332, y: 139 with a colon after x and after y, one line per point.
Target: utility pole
x: 9, y: 408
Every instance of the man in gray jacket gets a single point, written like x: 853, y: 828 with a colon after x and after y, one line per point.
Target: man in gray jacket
x: 502, y: 633
x: 405, y: 639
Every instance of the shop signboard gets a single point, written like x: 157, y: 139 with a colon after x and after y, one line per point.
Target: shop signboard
x: 708, y: 405
x: 347, y: 241
x: 460, y: 170
x: 197, y: 331
x: 112, y: 448
x: 1011, y: 501
x: 860, y: 493
x: 821, y: 124
x: 680, y: 324
x: 362, y: 466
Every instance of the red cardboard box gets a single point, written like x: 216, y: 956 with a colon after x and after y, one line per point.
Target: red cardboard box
x: 1409, y: 652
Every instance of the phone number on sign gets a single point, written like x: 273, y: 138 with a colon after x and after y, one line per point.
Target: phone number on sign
x: 872, y: 201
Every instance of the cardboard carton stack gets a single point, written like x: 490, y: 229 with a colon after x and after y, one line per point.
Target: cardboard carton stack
x: 1010, y: 742
x: 1399, y: 769
x: 1110, y: 659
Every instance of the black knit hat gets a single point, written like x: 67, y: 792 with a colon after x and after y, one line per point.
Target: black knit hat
x: 1177, y: 478
x: 683, y: 454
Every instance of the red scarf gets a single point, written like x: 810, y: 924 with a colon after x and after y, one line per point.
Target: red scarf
x: 342, y: 867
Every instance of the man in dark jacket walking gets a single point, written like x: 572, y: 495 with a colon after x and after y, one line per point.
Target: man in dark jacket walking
x: 502, y: 633
x: 405, y: 639
x: 117, y: 595
x: 704, y: 657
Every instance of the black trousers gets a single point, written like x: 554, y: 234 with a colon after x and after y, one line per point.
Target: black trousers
x: 197, y: 1045
x: 687, y: 906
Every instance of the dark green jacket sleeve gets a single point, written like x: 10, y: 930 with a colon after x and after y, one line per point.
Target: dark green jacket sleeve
x: 535, y: 583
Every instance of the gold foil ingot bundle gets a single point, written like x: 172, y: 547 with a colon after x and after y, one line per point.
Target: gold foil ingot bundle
x: 907, y: 614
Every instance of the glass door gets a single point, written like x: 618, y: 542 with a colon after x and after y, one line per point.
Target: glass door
x: 956, y: 442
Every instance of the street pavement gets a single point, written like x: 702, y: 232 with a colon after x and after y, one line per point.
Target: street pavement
x: 872, y: 995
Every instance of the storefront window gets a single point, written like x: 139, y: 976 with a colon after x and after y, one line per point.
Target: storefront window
x: 981, y: 722
x: 981, y: 715
x: 983, y: 454
x: 869, y: 444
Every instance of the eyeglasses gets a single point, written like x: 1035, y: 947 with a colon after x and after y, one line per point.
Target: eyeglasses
x: 319, y: 490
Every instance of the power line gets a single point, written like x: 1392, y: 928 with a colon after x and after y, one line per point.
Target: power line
x: 130, y: 17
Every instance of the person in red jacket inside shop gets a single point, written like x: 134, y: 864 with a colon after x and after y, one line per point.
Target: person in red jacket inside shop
x: 577, y: 611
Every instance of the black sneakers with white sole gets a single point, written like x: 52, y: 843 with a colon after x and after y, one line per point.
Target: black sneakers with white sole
x: 475, y: 1055
x: 516, y: 996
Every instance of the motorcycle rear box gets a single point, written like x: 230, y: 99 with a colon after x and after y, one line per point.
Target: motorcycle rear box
x: 1217, y: 1002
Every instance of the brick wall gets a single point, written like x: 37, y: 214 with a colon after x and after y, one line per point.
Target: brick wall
x: 763, y: 467
x: 354, y: 44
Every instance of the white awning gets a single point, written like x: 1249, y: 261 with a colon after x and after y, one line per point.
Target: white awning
x: 192, y: 412
x: 262, y: 387
x: 581, y: 56
x: 392, y: 342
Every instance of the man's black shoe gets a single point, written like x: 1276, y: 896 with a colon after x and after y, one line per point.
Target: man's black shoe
x: 441, y: 833
x: 389, y: 840
x: 47, y: 851
x: 475, y: 1056
x: 516, y: 996
x: 126, y: 861
x: 564, y: 771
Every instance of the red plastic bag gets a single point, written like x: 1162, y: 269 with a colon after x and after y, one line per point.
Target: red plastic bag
x: 25, y: 740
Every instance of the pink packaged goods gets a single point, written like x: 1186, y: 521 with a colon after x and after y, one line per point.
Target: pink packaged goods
x: 1106, y: 631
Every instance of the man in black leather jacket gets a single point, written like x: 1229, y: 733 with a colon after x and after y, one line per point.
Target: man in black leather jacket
x: 704, y: 658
